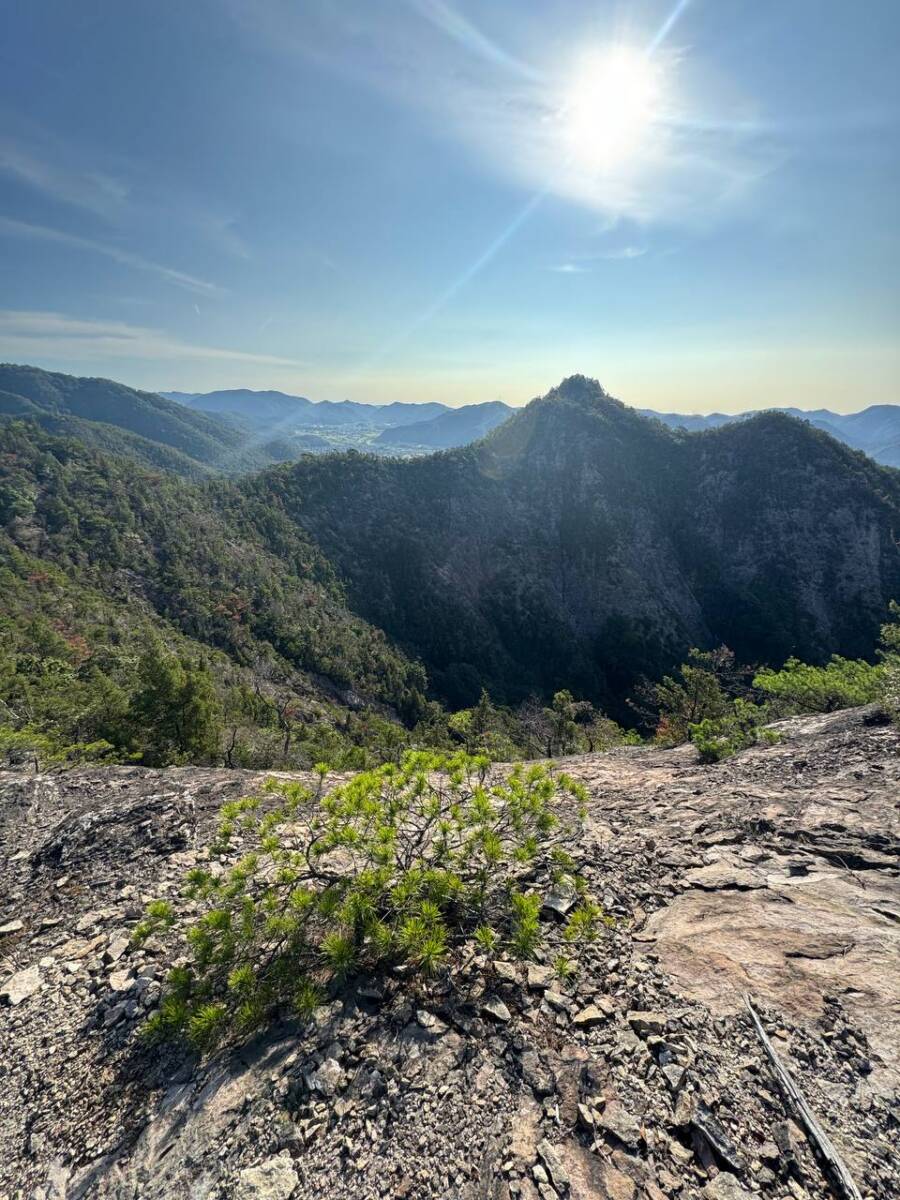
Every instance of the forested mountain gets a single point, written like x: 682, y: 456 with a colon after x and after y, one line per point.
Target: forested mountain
x: 122, y: 420
x: 102, y: 561
x: 874, y: 430
x: 158, y: 431
x: 582, y: 545
x: 457, y: 427
x: 578, y: 546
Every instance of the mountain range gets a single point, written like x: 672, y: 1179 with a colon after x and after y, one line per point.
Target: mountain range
x: 579, y: 544
x: 277, y: 408
x: 403, y: 428
x: 121, y: 420
x: 874, y: 430
x: 236, y: 431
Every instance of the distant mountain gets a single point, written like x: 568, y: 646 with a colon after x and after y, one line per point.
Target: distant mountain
x: 122, y: 420
x: 277, y: 408
x: 457, y: 427
x: 259, y: 407
x: 874, y: 430
x: 582, y: 545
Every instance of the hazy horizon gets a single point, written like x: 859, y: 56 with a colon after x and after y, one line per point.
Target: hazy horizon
x: 428, y: 200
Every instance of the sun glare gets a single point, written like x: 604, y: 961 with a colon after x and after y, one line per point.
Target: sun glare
x: 610, y: 106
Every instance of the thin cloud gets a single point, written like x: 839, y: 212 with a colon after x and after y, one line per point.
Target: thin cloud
x: 581, y: 264
x: 94, y: 191
x: 24, y: 229
x: 452, y: 23
x: 32, y: 336
x: 122, y: 206
x: 622, y: 252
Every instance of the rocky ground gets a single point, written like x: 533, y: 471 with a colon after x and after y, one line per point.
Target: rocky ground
x: 774, y: 874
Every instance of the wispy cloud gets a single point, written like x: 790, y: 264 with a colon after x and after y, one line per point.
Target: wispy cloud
x: 44, y: 336
x: 45, y: 166
x: 94, y: 191
x: 582, y: 264
x: 621, y: 252
x: 24, y: 229
x: 451, y: 22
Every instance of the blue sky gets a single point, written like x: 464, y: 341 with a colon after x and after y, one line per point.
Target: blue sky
x: 695, y: 201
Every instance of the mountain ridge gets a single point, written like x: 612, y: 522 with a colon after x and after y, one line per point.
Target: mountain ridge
x: 456, y: 427
x: 79, y: 404
x: 875, y: 430
x: 580, y: 542
x: 281, y: 407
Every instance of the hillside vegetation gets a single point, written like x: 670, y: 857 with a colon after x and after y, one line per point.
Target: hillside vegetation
x: 582, y: 546
x: 508, y: 598
x: 121, y: 420
x: 102, y: 561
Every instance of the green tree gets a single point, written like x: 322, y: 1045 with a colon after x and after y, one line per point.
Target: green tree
x: 175, y: 713
x: 740, y: 726
x: 701, y: 690
x: 564, y: 717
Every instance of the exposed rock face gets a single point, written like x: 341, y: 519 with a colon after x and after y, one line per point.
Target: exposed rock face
x: 638, y: 1079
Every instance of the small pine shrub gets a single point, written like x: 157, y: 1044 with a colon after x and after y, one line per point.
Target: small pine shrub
x: 564, y: 967
x: 399, y: 865
x: 800, y: 688
x: 740, y: 727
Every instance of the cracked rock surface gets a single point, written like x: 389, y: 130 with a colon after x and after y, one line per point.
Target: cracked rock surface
x: 774, y: 873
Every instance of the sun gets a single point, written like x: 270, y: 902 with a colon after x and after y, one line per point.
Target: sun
x: 610, y: 106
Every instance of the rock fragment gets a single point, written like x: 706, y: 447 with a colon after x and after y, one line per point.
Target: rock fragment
x: 496, y: 1010
x: 588, y: 1016
x: 646, y: 1023
x: 553, y: 1164
x: 20, y: 986
x: 275, y: 1179
x: 726, y: 1187
x: 617, y: 1120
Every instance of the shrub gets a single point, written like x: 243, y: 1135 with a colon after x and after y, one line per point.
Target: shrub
x: 889, y: 694
x: 31, y: 747
x: 698, y: 693
x: 801, y: 688
x: 741, y: 726
x: 399, y: 865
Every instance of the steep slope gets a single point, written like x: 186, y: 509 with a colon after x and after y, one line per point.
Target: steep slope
x: 455, y: 428
x: 874, y: 430
x: 638, y: 1077
x: 206, y: 562
x: 582, y: 545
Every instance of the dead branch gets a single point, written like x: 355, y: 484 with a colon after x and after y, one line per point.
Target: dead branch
x: 795, y: 1098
